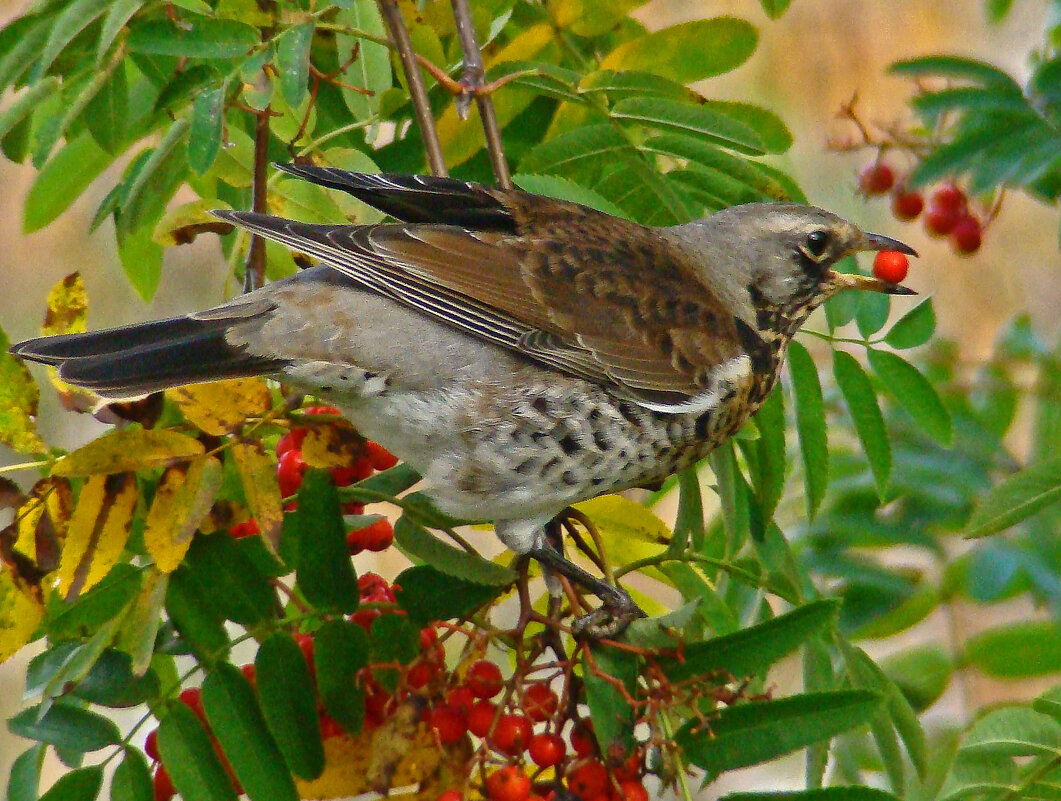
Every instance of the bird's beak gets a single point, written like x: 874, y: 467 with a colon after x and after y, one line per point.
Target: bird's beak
x: 875, y: 242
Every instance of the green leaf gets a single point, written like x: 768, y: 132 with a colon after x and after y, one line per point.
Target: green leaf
x: 340, y: 650
x: 148, y: 180
x: 390, y: 482
x: 66, y: 726
x: 865, y: 412
x: 967, y: 98
x: 107, y: 114
x: 699, y: 153
x: 66, y: 175
x: 913, y: 328
x: 997, y: 9
x: 768, y: 470
x: 324, y: 572
x: 192, y: 36
x: 200, y: 623
x: 689, y: 519
x: 810, y: 424
x: 82, y: 784
x: 872, y: 314
x: 471, y: 568
x: 235, y: 719
x: 141, y: 259
x: 99, y: 605
x: 613, y: 717
x: 23, y: 782
x: 1013, y: 732
x: 752, y: 650
x: 773, y: 133
x: 775, y: 8
x: 914, y: 393
x: 564, y: 189
x: 687, y: 119
x: 204, y: 136
x: 26, y: 103
x: 429, y: 594
x: 228, y: 580
x: 690, y: 51
x: 590, y: 17
x: 751, y: 733
x: 289, y: 703
x: 850, y: 793
x: 20, y: 44
x: 1016, y: 498
x: 74, y: 18
x: 371, y: 70
x: 132, y: 779
x: 394, y: 638
x: 1021, y: 649
x: 965, y: 69
x: 574, y: 149
x: 292, y: 62
x: 121, y: 11
x: 921, y: 672
x: 190, y: 758
x: 111, y: 682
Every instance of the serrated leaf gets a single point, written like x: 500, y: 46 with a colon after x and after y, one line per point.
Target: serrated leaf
x: 371, y: 70
x: 132, y: 779
x: 236, y: 720
x: 141, y: 622
x: 752, y: 650
x: 921, y: 672
x: 82, y: 784
x: 340, y: 650
x: 607, y: 672
x: 394, y: 638
x: 416, y: 540
x: 1020, y: 649
x: 200, y: 624
x: 23, y: 781
x: 257, y: 473
x: 747, y: 734
x: 564, y: 189
x: 772, y: 131
x: 768, y: 469
x: 66, y: 726
x: 1016, y: 498
x: 690, y: 51
x: 107, y: 114
x: 127, y: 450
x: 848, y: 793
x: 97, y: 533
x: 27, y: 102
x: 913, y: 328
x: 872, y: 314
x: 111, y: 682
x: 324, y: 571
x: 229, y: 581
x: 18, y: 404
x: 94, y: 608
x: 810, y: 424
x: 189, y: 756
x: 192, y: 37
x: 204, y: 135
x: 289, y: 703
x: 182, y: 500
x: 862, y: 403
x: 689, y: 120
x: 914, y: 393
x: 590, y: 17
x: 218, y: 408
x: 428, y: 594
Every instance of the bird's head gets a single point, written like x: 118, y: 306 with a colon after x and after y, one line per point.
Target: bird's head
x: 780, y: 259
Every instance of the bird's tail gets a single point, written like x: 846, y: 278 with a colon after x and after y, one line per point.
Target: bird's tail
x: 136, y: 359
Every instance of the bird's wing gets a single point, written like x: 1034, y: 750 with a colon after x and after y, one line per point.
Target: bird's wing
x: 574, y: 289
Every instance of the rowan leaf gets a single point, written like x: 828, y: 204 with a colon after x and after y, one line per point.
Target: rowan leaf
x: 292, y: 62
x: 190, y: 758
x: 204, y: 135
x: 810, y: 423
x: 371, y: 69
x: 132, y: 779
x: 862, y: 402
x: 82, y: 784
x: 97, y: 533
x: 289, y: 703
x: 20, y: 614
x: 324, y: 572
x: 18, y: 404
x: 257, y: 473
x: 182, y: 500
x: 1017, y: 498
x: 129, y: 449
x: 220, y: 407
x: 915, y: 394
x: 913, y: 328
x: 193, y: 36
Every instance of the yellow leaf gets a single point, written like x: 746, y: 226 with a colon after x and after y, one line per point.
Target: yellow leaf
x: 184, y: 496
x: 258, y: 474
x: 628, y: 530
x: 181, y: 225
x: 129, y: 449
x: 67, y: 307
x: 333, y: 445
x: 219, y: 408
x: 20, y: 614
x: 38, y: 537
x: 18, y: 404
x: 98, y: 531
x: 589, y: 17
x: 139, y: 626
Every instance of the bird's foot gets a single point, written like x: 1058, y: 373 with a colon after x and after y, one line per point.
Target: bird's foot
x: 608, y: 621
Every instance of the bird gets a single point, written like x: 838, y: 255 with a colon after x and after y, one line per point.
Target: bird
x: 522, y: 353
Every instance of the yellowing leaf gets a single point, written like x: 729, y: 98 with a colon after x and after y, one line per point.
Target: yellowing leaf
x: 183, y: 498
x: 139, y: 626
x: 258, y: 474
x: 181, y: 225
x: 219, y: 408
x: 98, y: 531
x: 333, y: 445
x: 67, y: 307
x: 589, y: 17
x: 130, y: 449
x: 18, y: 404
x: 19, y: 616
x: 38, y: 535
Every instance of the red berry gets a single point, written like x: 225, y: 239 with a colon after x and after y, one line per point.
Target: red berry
x: 305, y: 642
x: 448, y: 723
x: 462, y: 700
x: 376, y: 536
x: 420, y: 674
x: 875, y: 179
x: 582, y: 740
x: 330, y: 726
x: 192, y: 698
x: 451, y: 795
x: 546, y: 749
x: 906, y: 205
x: 374, y: 588
x: 948, y: 197
x: 629, y: 770
x: 539, y: 702
x: 940, y: 222
x: 347, y: 475
x: 508, y: 784
x: 321, y: 410
x: 364, y: 617
x: 588, y: 778
x: 248, y: 528
x: 381, y: 458
x: 966, y: 235
x: 151, y: 745
x: 291, y: 441
x: 484, y: 679
x: 428, y: 637
x: 289, y: 472
x: 512, y: 734
x: 251, y: 673
x: 376, y: 701
x: 890, y: 266
x: 353, y: 508
x: 163, y: 785
x: 481, y: 717
x: 632, y: 791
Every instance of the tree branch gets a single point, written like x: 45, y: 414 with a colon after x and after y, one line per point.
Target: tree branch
x: 254, y: 268
x: 392, y: 15
x: 472, y: 80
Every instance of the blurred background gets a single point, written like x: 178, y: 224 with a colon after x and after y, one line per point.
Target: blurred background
x: 810, y: 62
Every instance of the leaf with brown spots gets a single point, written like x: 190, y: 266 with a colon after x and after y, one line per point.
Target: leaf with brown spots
x: 258, y: 474
x: 184, y: 497
x: 42, y: 521
x: 67, y: 307
x: 221, y: 407
x: 20, y: 613
x: 181, y: 225
x: 333, y: 445
x: 131, y: 449
x: 18, y: 404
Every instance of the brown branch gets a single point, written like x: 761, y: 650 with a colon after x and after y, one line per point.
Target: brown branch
x: 392, y: 15
x: 472, y: 80
x: 254, y: 269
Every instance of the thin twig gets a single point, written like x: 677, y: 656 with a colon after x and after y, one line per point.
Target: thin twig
x: 392, y: 15
x: 254, y: 270
x: 472, y: 79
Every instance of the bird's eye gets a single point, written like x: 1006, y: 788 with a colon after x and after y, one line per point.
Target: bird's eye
x: 817, y: 242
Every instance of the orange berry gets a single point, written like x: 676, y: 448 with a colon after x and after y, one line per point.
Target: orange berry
x: 890, y: 266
